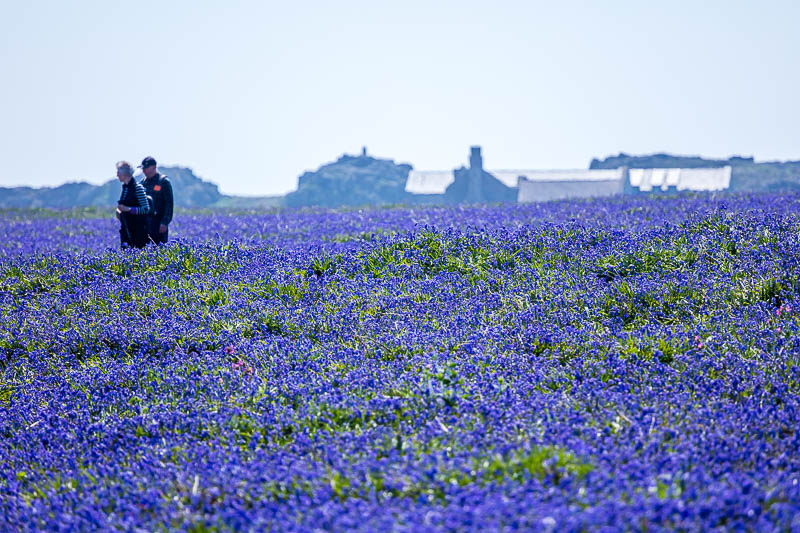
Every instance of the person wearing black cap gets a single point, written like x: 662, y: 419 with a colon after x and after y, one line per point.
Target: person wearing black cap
x: 132, y: 208
x: 159, y: 189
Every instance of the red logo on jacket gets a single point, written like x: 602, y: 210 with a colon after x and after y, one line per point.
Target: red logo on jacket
x: 157, y: 188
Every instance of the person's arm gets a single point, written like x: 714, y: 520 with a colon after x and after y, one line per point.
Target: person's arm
x: 141, y: 196
x: 118, y: 212
x: 166, y: 192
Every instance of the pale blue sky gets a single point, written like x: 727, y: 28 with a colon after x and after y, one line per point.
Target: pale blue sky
x: 251, y: 94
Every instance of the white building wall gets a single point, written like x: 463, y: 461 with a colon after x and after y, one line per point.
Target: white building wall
x: 543, y: 191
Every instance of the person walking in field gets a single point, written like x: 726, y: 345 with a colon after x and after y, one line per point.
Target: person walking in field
x: 158, y: 187
x: 132, y: 209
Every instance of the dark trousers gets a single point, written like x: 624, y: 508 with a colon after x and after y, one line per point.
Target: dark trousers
x: 153, y: 224
x: 132, y: 231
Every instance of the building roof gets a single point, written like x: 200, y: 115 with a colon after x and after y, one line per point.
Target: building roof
x: 682, y: 179
x: 429, y: 181
x: 512, y: 177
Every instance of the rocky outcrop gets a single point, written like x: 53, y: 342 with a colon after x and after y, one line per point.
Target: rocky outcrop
x: 190, y: 191
x: 353, y: 181
x: 665, y: 161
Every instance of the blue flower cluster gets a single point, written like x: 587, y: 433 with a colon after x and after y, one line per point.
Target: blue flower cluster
x: 620, y: 364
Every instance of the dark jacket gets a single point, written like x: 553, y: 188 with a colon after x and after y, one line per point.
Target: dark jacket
x: 133, y: 225
x: 134, y: 196
x: 160, y: 190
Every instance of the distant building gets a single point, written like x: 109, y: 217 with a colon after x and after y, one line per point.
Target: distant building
x: 429, y: 181
x: 466, y: 184
x: 646, y: 180
x: 545, y: 185
x: 474, y: 184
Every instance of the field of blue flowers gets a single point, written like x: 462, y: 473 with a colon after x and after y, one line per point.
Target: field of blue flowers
x: 631, y: 363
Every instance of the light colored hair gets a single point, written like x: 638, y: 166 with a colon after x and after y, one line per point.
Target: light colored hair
x: 125, y: 167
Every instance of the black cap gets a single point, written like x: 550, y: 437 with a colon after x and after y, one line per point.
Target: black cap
x: 148, y: 162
